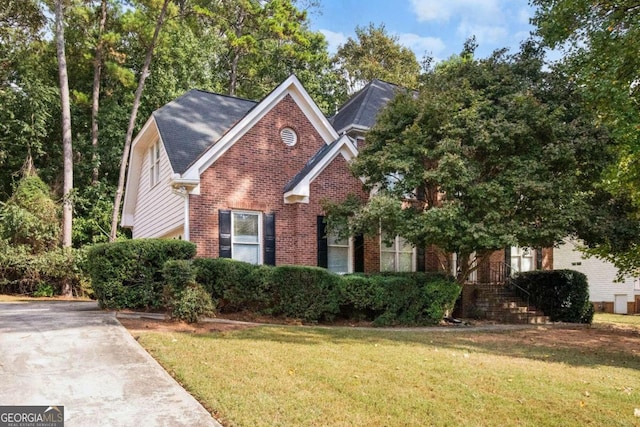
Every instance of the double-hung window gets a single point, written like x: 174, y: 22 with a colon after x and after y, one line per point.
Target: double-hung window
x: 338, y: 253
x: 154, y: 164
x: 246, y: 237
x: 396, y: 254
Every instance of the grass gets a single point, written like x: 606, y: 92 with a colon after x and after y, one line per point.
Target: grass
x: 297, y: 376
x: 616, y: 319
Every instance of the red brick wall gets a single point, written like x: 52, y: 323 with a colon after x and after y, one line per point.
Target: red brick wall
x: 252, y: 174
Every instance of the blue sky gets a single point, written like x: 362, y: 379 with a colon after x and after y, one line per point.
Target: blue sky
x: 435, y: 27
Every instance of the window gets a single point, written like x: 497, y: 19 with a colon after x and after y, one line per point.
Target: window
x: 246, y: 237
x: 154, y: 168
x: 399, y: 255
x: 522, y: 259
x: 338, y: 253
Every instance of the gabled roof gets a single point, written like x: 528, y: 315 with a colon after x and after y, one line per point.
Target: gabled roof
x: 361, y: 110
x: 298, y: 189
x: 194, y: 122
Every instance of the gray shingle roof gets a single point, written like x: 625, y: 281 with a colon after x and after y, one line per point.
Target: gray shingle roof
x: 363, y: 108
x: 192, y: 123
x: 313, y: 161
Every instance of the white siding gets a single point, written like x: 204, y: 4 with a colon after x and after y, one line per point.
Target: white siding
x: 159, y: 211
x: 601, y: 274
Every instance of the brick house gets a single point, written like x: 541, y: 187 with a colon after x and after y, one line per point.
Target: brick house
x: 245, y: 180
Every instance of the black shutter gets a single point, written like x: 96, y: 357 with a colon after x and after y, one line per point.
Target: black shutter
x: 421, y: 264
x: 507, y: 262
x: 538, y: 258
x: 323, y: 249
x: 224, y: 230
x: 358, y: 254
x: 270, y: 239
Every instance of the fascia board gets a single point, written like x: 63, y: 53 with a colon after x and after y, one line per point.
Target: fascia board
x: 138, y: 146
x: 291, y: 86
x: 301, y: 192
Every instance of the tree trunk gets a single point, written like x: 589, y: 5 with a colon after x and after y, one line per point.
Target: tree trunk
x: 67, y: 150
x: 95, y: 104
x: 132, y: 121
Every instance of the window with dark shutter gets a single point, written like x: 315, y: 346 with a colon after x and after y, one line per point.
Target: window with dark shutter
x: 270, y: 239
x: 358, y: 254
x: 323, y: 260
x: 224, y: 231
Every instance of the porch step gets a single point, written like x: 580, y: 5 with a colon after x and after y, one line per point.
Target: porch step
x: 498, y: 303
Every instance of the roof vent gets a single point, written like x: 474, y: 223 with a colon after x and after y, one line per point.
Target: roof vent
x: 289, y: 136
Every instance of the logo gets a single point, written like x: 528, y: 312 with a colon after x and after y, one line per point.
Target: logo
x: 31, y: 416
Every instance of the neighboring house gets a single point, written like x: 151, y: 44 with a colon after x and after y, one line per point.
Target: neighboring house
x: 246, y: 180
x: 604, y: 292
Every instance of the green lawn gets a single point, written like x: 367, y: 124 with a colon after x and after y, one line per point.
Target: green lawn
x: 299, y: 376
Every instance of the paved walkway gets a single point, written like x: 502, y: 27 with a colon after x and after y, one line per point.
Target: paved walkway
x: 72, y: 354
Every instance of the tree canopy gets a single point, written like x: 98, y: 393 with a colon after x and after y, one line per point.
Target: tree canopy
x: 599, y: 40
x: 489, y: 154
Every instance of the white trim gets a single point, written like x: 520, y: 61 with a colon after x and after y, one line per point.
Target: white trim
x: 291, y: 86
x: 301, y: 192
x: 260, y: 242
x: 147, y: 136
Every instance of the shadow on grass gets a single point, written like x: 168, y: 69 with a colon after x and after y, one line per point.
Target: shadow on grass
x: 571, y: 345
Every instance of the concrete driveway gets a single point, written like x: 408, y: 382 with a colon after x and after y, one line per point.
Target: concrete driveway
x: 74, y: 355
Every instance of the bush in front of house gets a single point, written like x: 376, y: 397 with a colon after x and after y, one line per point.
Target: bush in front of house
x: 128, y: 274
x: 399, y: 298
x: 236, y: 285
x: 42, y: 274
x: 307, y: 293
x: 183, y: 298
x: 315, y: 294
x: 563, y: 295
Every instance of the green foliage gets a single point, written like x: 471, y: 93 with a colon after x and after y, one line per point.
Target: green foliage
x: 30, y: 216
x: 599, y: 42
x: 308, y: 293
x: 43, y: 274
x: 315, y: 294
x: 563, y: 295
x: 376, y: 55
x: 128, y: 274
x: 392, y: 299
x: 192, y: 303
x: 486, y: 156
x: 183, y: 297
x: 234, y: 284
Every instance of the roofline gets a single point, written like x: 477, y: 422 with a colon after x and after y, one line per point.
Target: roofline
x: 300, y: 193
x: 291, y: 86
x: 134, y: 166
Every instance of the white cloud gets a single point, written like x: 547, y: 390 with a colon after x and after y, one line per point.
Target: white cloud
x: 485, y: 34
x: 420, y: 45
x: 334, y: 39
x: 443, y: 10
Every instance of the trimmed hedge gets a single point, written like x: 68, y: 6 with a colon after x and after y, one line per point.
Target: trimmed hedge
x: 236, y: 285
x: 563, y: 295
x: 183, y: 297
x: 128, y: 274
x: 43, y: 274
x: 400, y: 298
x: 309, y: 293
x: 315, y: 294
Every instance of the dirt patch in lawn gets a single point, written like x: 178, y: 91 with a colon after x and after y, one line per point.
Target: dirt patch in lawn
x: 607, y: 337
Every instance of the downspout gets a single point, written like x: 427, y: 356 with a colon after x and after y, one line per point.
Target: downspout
x: 183, y: 192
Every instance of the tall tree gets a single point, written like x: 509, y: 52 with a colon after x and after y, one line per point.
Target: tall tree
x: 485, y: 157
x: 599, y: 40
x: 132, y: 121
x: 67, y: 205
x: 375, y: 54
x: 95, y: 96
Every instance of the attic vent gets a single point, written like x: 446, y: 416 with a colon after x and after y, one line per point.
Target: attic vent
x: 289, y: 136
